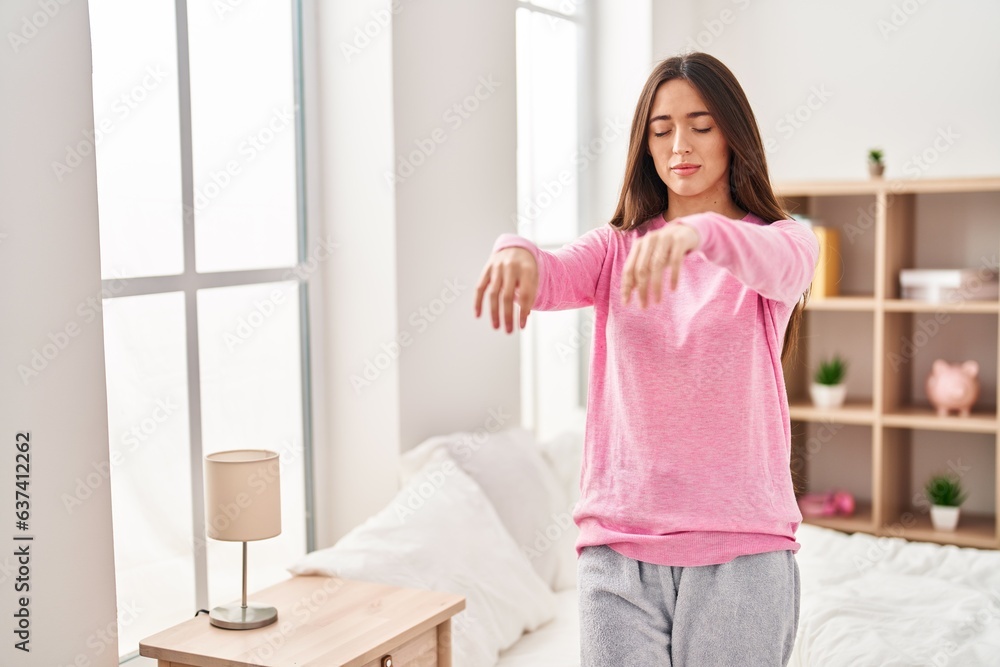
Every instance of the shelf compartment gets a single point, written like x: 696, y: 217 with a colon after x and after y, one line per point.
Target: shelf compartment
x: 859, y: 522
x: 831, y: 455
x: 981, y: 420
x: 860, y: 303
x: 852, y: 265
x: 854, y: 220
x: 824, y: 333
x: 909, y: 456
x: 974, y: 529
x: 914, y: 306
x: 912, y: 342
x: 916, y: 239
x: 858, y: 411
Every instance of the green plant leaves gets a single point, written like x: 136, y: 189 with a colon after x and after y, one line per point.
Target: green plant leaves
x: 945, y: 490
x: 831, y: 372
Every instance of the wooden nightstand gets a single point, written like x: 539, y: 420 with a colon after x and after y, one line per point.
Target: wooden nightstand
x: 322, y: 622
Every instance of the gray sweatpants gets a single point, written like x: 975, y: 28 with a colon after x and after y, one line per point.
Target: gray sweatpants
x: 743, y: 613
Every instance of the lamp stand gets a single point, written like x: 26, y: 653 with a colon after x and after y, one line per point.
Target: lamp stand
x: 243, y: 617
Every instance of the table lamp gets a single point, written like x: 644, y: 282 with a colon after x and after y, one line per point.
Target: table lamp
x: 242, y: 504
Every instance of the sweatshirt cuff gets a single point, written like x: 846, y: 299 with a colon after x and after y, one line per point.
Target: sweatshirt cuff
x: 704, y: 225
x: 509, y: 240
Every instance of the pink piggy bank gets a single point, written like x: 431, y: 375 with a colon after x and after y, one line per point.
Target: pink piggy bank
x: 953, y: 386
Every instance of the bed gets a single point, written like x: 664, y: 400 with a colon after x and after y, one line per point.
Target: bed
x: 866, y: 601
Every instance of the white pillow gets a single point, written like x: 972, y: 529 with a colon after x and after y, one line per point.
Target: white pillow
x: 441, y: 532
x: 563, y: 453
x: 509, y: 467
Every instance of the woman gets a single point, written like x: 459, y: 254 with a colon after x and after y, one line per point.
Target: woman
x: 687, y: 515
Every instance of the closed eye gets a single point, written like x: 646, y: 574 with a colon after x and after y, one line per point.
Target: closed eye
x: 663, y: 134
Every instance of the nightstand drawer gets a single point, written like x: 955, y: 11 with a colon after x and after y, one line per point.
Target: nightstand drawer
x: 421, y: 651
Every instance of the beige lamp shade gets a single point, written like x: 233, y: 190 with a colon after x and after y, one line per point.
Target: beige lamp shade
x: 242, y: 495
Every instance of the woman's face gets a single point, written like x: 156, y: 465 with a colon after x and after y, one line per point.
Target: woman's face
x: 681, y: 131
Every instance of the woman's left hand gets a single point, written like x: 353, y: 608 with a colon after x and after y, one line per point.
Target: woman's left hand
x: 651, y: 254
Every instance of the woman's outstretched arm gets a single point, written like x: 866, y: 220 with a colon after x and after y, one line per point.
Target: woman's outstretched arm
x: 518, y: 271
x: 567, y: 277
x: 777, y: 260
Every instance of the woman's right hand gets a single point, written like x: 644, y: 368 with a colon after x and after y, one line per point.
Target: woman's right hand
x: 507, y: 270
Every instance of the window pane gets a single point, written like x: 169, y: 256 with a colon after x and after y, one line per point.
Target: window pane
x: 547, y: 128
x: 145, y: 352
x: 251, y: 398
x: 136, y: 137
x: 560, y: 335
x: 243, y: 135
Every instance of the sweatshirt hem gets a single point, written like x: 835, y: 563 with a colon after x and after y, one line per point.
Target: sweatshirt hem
x: 689, y: 548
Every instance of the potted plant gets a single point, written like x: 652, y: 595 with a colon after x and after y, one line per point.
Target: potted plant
x: 828, y: 389
x: 875, y: 164
x: 946, y: 495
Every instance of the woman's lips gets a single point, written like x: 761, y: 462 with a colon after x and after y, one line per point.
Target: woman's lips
x: 685, y: 171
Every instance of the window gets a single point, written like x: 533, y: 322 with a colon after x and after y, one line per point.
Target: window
x: 198, y: 138
x: 551, y: 91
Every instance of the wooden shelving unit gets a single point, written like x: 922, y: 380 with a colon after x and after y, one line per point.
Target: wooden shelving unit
x: 852, y: 412
x: 879, y: 224
x: 860, y: 521
x: 859, y: 303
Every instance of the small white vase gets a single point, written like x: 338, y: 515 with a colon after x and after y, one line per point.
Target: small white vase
x: 827, y: 395
x: 944, y: 517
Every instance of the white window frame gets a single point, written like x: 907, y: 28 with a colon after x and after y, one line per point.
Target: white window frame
x: 531, y: 381
x: 190, y: 281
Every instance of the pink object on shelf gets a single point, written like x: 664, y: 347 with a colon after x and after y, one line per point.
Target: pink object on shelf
x: 953, y: 386
x: 832, y: 503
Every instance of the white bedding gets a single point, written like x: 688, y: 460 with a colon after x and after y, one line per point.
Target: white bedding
x: 866, y: 601
x: 884, y: 601
x: 555, y: 644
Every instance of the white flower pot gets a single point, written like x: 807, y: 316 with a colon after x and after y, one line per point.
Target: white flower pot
x: 827, y: 395
x: 944, y: 517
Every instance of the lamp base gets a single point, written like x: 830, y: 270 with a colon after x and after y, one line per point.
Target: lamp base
x: 236, y: 617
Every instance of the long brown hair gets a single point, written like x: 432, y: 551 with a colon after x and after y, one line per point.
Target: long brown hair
x: 644, y: 195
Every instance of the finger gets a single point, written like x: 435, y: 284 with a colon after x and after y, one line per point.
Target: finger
x: 628, y: 280
x: 494, y: 294
x: 656, y: 268
x: 526, y: 299
x: 484, y: 281
x: 642, y: 269
x: 676, y: 258
x: 509, y: 282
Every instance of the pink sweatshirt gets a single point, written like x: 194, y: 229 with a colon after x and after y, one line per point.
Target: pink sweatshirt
x: 686, y: 452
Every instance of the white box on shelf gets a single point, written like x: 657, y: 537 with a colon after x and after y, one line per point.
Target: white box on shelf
x: 940, y: 285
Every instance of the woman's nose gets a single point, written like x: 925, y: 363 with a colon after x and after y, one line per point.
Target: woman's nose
x: 681, y: 144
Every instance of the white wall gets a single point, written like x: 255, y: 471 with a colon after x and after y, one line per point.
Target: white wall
x: 349, y: 134
x: 827, y: 81
x: 49, y: 269
x: 405, y: 357
x: 454, y: 101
